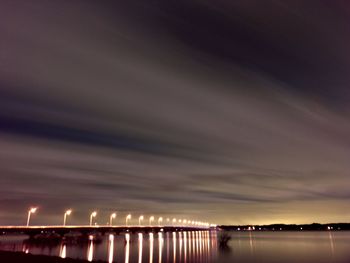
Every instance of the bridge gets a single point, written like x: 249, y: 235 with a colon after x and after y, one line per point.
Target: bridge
x: 89, y: 230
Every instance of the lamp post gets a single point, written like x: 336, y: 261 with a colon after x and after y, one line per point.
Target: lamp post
x: 174, y: 221
x: 128, y: 217
x: 31, y: 211
x: 150, y: 220
x: 93, y: 214
x: 67, y: 213
x: 160, y: 220
x: 140, y: 219
x: 114, y: 215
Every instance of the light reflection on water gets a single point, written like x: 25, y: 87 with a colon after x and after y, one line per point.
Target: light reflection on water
x: 140, y: 247
x: 160, y: 245
x: 151, y: 247
x: 174, y: 247
x: 185, y: 247
x: 90, y: 253
x: 110, y: 248
x: 197, y: 247
x: 127, y: 248
x: 63, y: 250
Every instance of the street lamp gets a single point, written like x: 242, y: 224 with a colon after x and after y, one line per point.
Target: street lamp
x: 150, y: 220
x: 174, y: 221
x: 93, y: 214
x: 140, y: 219
x: 114, y: 215
x: 31, y: 211
x: 128, y: 217
x: 160, y: 220
x: 67, y: 213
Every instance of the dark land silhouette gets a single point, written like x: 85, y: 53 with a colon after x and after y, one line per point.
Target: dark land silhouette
x: 289, y: 227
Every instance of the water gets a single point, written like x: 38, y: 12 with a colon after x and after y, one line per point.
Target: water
x: 198, y: 247
x: 288, y: 247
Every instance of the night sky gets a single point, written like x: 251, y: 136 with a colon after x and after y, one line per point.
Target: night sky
x: 231, y: 112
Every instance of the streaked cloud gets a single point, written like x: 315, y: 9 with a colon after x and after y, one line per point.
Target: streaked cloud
x: 233, y: 112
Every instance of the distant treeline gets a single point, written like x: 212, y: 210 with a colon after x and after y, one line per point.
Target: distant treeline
x: 293, y: 227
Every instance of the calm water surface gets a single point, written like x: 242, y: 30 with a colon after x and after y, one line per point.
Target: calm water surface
x: 198, y: 246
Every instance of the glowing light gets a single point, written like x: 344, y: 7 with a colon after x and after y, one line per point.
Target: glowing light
x: 160, y: 220
x: 93, y: 214
x: 128, y: 217
x: 174, y: 220
x: 151, y: 219
x: 113, y: 215
x: 140, y: 219
x: 67, y: 213
x: 31, y: 211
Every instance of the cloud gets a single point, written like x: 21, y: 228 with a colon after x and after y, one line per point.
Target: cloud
x: 231, y: 113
